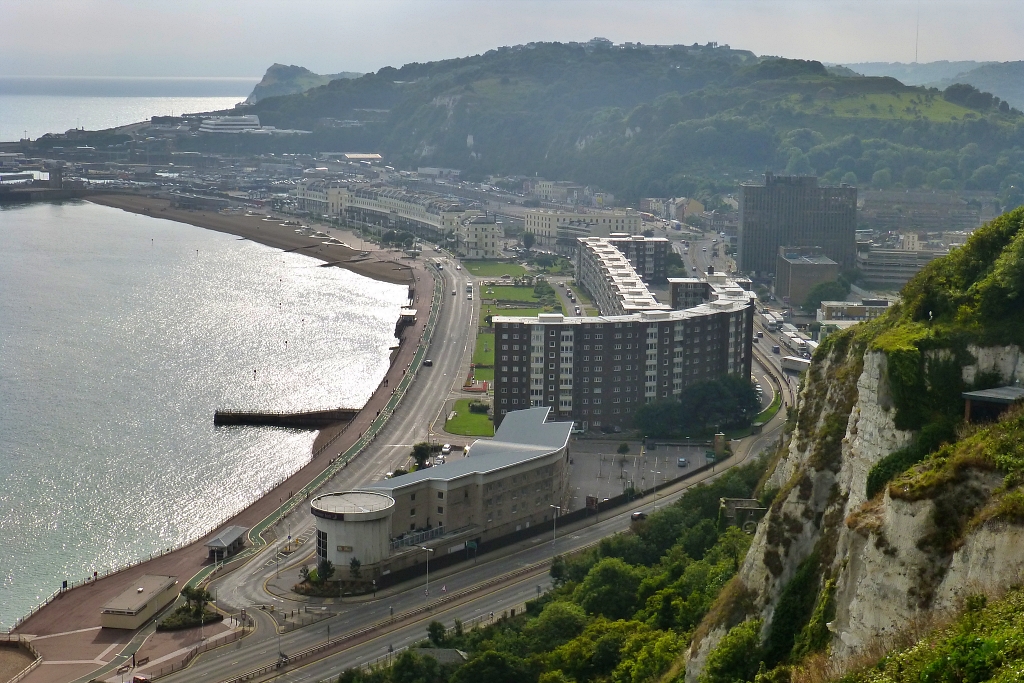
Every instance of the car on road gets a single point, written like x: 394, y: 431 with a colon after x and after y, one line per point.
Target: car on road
x: 638, y: 516
x: 458, y: 267
x: 470, y: 296
x: 693, y: 268
x: 683, y: 462
x: 446, y: 449
x: 776, y: 349
x: 428, y: 363
x: 454, y: 292
x: 577, y: 310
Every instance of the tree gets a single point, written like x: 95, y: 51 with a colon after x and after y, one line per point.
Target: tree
x: 558, y: 623
x: 355, y: 568
x: 493, y: 667
x: 436, y: 633
x: 623, y: 448
x: 421, y: 453
x: 737, y: 657
x: 528, y: 239
x: 610, y: 589
x: 826, y: 291
x: 196, y: 598
x: 324, y: 571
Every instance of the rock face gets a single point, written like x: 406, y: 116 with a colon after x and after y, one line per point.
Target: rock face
x: 880, y: 556
x: 289, y: 80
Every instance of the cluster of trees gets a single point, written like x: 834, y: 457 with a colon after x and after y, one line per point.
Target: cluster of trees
x: 621, y: 613
x: 192, y: 613
x: 715, y: 404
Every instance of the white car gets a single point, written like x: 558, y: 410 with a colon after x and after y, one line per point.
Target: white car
x: 458, y: 267
x: 446, y: 449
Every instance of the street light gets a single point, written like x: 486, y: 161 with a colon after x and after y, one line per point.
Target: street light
x: 554, y: 526
x: 426, y: 591
x: 656, y: 490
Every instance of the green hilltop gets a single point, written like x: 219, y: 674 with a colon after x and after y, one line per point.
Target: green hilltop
x: 659, y: 120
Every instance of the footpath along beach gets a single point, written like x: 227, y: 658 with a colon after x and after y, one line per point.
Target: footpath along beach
x: 66, y: 631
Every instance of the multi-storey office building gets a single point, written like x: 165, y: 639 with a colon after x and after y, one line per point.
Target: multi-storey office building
x: 688, y: 292
x: 598, y: 370
x: 647, y: 255
x: 891, y: 268
x: 795, y: 211
x: 609, y: 277
x: 799, y: 270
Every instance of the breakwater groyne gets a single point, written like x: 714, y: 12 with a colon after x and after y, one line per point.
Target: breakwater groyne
x: 314, y: 419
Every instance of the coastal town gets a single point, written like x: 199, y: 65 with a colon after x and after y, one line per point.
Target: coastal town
x: 660, y: 363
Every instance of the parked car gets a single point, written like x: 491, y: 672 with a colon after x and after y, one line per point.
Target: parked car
x: 446, y: 449
x: 683, y: 462
x: 454, y: 292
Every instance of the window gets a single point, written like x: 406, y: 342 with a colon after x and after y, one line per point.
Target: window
x: 321, y: 544
x: 412, y: 512
x: 440, y: 494
x: 412, y: 497
x: 440, y: 510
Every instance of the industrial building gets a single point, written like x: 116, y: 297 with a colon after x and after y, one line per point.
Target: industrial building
x: 795, y: 211
x: 503, y: 485
x: 598, y: 370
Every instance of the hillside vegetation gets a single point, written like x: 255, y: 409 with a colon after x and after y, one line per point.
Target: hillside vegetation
x: 650, y: 121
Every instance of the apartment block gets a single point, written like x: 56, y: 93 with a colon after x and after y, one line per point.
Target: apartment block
x: 891, y: 268
x: 795, y: 211
x: 479, y: 237
x: 598, y: 370
x: 608, y: 276
x: 867, y: 309
x: 647, y: 255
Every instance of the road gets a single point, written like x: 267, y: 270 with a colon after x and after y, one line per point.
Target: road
x: 492, y: 594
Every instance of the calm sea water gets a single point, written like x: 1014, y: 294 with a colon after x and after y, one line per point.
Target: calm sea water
x: 35, y: 106
x: 119, y: 336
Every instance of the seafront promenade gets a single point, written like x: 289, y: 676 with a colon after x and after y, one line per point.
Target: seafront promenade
x: 70, y: 622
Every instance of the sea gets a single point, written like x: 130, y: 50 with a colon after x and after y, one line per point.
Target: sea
x: 120, y: 335
x: 32, y: 106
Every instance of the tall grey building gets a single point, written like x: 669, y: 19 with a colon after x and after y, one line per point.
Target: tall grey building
x: 795, y: 211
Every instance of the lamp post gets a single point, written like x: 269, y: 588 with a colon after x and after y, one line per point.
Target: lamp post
x: 554, y: 526
x: 426, y: 591
x: 656, y: 473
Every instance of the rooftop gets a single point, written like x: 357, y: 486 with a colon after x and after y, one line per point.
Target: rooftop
x: 1007, y: 395
x: 522, y: 436
x: 226, y: 537
x: 351, y: 502
x: 134, y: 599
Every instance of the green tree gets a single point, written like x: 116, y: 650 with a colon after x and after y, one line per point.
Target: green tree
x: 623, y: 448
x: 355, y: 568
x: 882, y: 178
x: 436, y: 633
x: 737, y: 657
x: 324, y: 571
x: 559, y: 622
x: 493, y: 667
x: 826, y: 291
x: 610, y: 589
x: 529, y: 239
x: 421, y: 453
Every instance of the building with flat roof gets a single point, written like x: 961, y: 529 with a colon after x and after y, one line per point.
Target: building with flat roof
x: 647, y: 255
x: 554, y: 229
x: 866, y: 309
x: 228, y: 541
x: 139, y: 602
x: 597, y: 371
x: 479, y: 237
x: 891, y: 268
x: 794, y: 211
x: 799, y: 270
x: 503, y: 485
x: 608, y: 276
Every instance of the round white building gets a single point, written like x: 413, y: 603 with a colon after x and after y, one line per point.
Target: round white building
x: 353, y: 524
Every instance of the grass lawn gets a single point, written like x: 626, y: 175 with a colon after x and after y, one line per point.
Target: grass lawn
x: 481, y: 357
x: 902, y: 106
x: 494, y: 268
x: 467, y: 423
x: 508, y: 293
x: 484, y: 374
x: 769, y: 412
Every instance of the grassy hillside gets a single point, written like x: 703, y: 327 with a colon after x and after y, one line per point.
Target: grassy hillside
x: 655, y: 121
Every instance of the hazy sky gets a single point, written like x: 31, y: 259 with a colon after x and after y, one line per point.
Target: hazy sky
x: 242, y: 38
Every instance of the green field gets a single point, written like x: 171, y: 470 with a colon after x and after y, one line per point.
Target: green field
x: 467, y: 423
x: 483, y: 374
x: 494, y: 268
x: 508, y: 293
x: 481, y: 357
x: 893, y: 106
